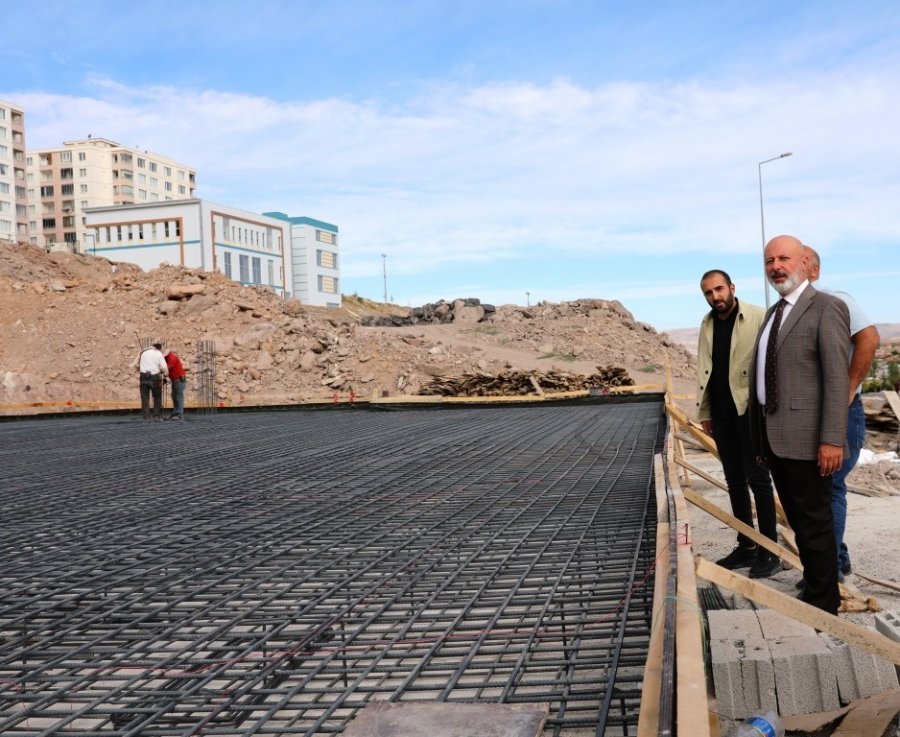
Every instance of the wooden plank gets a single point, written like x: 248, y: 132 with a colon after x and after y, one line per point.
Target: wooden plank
x: 720, y: 514
x: 893, y: 399
x: 853, y: 634
x: 879, y: 581
x: 701, y: 437
x: 690, y: 687
x: 871, y: 716
x: 435, y: 719
x: 648, y: 714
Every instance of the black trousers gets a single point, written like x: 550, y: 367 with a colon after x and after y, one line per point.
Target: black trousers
x: 806, y: 498
x: 732, y: 435
x: 151, y: 385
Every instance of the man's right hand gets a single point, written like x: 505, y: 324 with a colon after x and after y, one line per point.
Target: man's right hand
x: 707, y: 426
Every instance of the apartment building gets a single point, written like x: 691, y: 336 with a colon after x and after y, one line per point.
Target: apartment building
x: 13, y: 190
x: 315, y: 263
x: 199, y: 234
x: 66, y: 181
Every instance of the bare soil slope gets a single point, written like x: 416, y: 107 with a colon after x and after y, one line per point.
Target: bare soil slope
x: 71, y: 326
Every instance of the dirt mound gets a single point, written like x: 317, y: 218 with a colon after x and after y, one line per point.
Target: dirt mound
x: 71, y: 325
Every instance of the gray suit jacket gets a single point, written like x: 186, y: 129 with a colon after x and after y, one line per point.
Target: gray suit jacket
x: 813, y: 381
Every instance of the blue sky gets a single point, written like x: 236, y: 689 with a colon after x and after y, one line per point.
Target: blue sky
x: 562, y: 149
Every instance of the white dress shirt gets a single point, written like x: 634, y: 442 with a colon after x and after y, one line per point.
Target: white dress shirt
x: 791, y: 300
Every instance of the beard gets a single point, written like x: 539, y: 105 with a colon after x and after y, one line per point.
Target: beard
x: 790, y: 283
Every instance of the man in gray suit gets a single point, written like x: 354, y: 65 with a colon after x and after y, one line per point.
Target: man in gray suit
x: 799, y: 388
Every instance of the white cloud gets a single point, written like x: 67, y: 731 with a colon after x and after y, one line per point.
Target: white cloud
x: 469, y: 176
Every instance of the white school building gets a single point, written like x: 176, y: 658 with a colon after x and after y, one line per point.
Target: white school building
x: 296, y: 257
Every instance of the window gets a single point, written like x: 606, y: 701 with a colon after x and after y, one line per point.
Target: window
x: 67, y: 189
x: 227, y: 261
x: 4, y: 169
x: 271, y: 264
x: 82, y: 172
x: 168, y: 186
x: 4, y: 134
x: 68, y: 221
x: 142, y: 194
x: 181, y: 189
x: 327, y: 259
x: 84, y: 204
x: 180, y: 175
x: 82, y: 156
x: 328, y: 284
x: 68, y: 205
x: 152, y: 166
x: 5, y: 226
x: 65, y: 157
x: 142, y: 178
x: 167, y: 170
x: 141, y: 163
x: 4, y: 151
x: 323, y: 236
x: 154, y: 182
x: 5, y: 206
x: 83, y: 188
x: 67, y: 173
x: 244, y: 262
x: 49, y: 223
x: 166, y: 228
x: 257, y: 271
x: 4, y: 188
x: 46, y: 191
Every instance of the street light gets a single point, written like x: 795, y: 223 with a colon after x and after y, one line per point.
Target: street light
x: 528, y: 299
x: 762, y: 219
x: 384, y: 271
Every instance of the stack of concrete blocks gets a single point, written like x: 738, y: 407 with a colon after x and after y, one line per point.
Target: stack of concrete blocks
x: 763, y: 660
x: 743, y: 675
x: 888, y: 624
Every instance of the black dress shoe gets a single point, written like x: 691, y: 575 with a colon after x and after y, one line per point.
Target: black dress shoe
x: 765, y: 565
x: 740, y: 557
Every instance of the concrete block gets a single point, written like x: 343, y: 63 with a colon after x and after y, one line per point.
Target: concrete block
x: 776, y: 626
x: 725, y: 624
x: 743, y: 676
x: 888, y: 624
x: 805, y: 676
x: 758, y: 679
x: 859, y: 674
x: 725, y: 659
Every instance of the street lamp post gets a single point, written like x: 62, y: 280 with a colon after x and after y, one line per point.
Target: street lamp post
x: 762, y: 218
x: 384, y: 272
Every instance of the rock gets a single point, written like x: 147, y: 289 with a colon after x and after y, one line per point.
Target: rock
x: 184, y: 291
x: 169, y: 307
x: 468, y: 314
x: 57, y: 287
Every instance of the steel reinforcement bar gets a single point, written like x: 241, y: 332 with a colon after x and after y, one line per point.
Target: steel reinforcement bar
x: 270, y: 573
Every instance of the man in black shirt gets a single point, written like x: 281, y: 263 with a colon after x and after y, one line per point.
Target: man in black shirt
x: 725, y: 349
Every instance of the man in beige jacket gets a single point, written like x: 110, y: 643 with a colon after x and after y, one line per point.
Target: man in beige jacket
x: 725, y: 349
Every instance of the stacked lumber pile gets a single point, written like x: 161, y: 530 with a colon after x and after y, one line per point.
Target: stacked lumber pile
x: 519, y: 383
x: 882, y: 419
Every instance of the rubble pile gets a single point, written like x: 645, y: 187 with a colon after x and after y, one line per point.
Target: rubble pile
x: 520, y: 383
x: 469, y: 310
x: 72, y: 325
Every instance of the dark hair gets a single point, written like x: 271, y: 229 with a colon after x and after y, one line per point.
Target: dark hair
x: 716, y: 271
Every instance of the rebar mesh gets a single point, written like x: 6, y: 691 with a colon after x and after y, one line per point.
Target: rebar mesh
x: 268, y: 574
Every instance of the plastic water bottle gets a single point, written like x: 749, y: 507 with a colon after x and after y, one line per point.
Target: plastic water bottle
x: 766, y: 724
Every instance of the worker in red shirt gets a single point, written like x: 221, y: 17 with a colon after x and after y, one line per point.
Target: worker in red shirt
x: 177, y: 377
